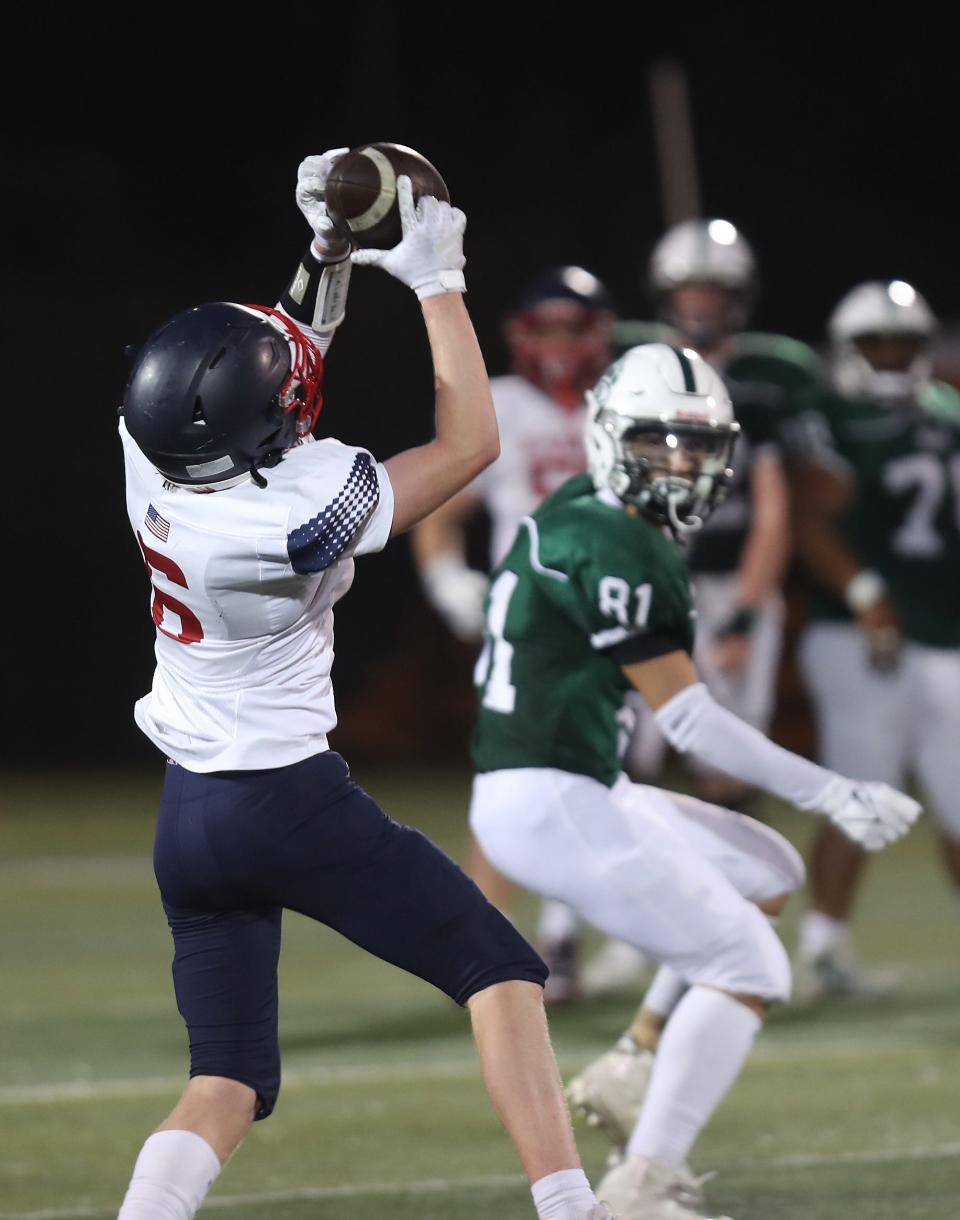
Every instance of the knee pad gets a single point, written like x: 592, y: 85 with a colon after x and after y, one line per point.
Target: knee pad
x: 786, y: 863
x: 772, y: 963
x: 754, y: 964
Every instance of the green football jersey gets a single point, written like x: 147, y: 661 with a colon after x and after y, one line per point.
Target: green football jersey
x: 904, y: 518
x: 586, y: 588
x: 777, y: 360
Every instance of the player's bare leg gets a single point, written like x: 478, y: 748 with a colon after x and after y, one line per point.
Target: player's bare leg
x: 558, y: 942
x: 646, y: 1028
x: 556, y: 932
x: 950, y: 853
x: 180, y: 1161
x: 824, y: 964
x: 718, y: 789
x: 521, y: 1075
x: 835, y: 871
x: 494, y: 886
x: 217, y: 1109
x: 523, y: 1081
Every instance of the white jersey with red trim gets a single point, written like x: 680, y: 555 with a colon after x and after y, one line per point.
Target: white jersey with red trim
x: 541, y: 446
x: 244, y: 582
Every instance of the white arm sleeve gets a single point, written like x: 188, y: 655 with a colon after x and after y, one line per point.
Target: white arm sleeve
x: 694, y: 722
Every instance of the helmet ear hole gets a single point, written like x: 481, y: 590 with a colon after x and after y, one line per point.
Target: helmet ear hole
x: 198, y: 417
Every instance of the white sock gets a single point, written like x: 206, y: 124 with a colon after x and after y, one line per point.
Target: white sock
x: 664, y: 991
x: 173, y: 1173
x: 704, y: 1045
x: 557, y: 921
x: 818, y: 933
x: 564, y: 1195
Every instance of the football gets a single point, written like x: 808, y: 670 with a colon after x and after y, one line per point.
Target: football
x: 361, y: 191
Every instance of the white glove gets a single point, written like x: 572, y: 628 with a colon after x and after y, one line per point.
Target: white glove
x: 429, y: 258
x: 871, y: 814
x: 457, y: 593
x: 312, y: 177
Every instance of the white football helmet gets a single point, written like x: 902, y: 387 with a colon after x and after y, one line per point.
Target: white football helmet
x: 705, y: 252
x: 660, y: 432
x: 875, y: 310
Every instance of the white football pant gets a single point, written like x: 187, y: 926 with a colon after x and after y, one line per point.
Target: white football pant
x: 673, y: 876
x: 884, y: 726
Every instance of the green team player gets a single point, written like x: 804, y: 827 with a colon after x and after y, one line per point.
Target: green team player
x: 703, y: 282
x: 591, y: 601
x: 878, y: 507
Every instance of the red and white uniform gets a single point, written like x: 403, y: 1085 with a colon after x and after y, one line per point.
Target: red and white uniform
x: 244, y: 583
x: 541, y: 446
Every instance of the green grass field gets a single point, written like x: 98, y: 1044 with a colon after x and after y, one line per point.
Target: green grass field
x: 846, y: 1112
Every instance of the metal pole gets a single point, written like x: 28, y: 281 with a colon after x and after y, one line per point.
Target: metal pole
x: 673, y: 134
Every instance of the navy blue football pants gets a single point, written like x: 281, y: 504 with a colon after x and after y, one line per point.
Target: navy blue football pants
x: 233, y: 848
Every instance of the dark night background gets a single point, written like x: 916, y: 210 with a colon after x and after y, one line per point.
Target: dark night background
x: 151, y: 166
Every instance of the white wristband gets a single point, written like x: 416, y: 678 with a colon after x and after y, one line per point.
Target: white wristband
x: 864, y: 590
x: 444, y: 281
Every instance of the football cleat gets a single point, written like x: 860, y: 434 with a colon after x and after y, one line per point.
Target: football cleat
x: 610, y: 1091
x: 643, y: 1189
x: 615, y: 967
x: 562, y: 985
x: 835, y: 974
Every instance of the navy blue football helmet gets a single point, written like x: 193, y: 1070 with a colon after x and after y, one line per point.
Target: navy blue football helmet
x: 568, y: 283
x: 558, y: 332
x: 221, y: 390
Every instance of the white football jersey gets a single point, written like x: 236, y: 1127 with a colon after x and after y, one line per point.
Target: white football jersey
x: 541, y: 446
x: 244, y: 582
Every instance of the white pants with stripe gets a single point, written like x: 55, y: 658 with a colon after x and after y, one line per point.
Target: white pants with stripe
x: 886, y: 726
x: 669, y: 874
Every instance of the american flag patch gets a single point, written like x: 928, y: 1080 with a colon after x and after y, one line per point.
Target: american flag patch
x: 156, y: 524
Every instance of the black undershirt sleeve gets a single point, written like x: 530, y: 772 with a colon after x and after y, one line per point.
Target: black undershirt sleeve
x: 644, y: 648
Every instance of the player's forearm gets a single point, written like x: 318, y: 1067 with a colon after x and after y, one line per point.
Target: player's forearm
x: 466, y: 423
x: 693, y: 722
x: 316, y: 297
x: 821, y: 498
x: 762, y: 564
x: 444, y: 531
x: 467, y: 440
x: 824, y: 553
x: 767, y: 548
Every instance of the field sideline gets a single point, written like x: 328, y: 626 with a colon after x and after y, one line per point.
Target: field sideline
x: 848, y: 1111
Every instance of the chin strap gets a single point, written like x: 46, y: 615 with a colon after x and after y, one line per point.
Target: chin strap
x: 684, y: 526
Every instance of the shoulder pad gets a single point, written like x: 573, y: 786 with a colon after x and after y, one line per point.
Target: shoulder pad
x: 941, y: 399
x: 778, y: 347
x: 630, y: 332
